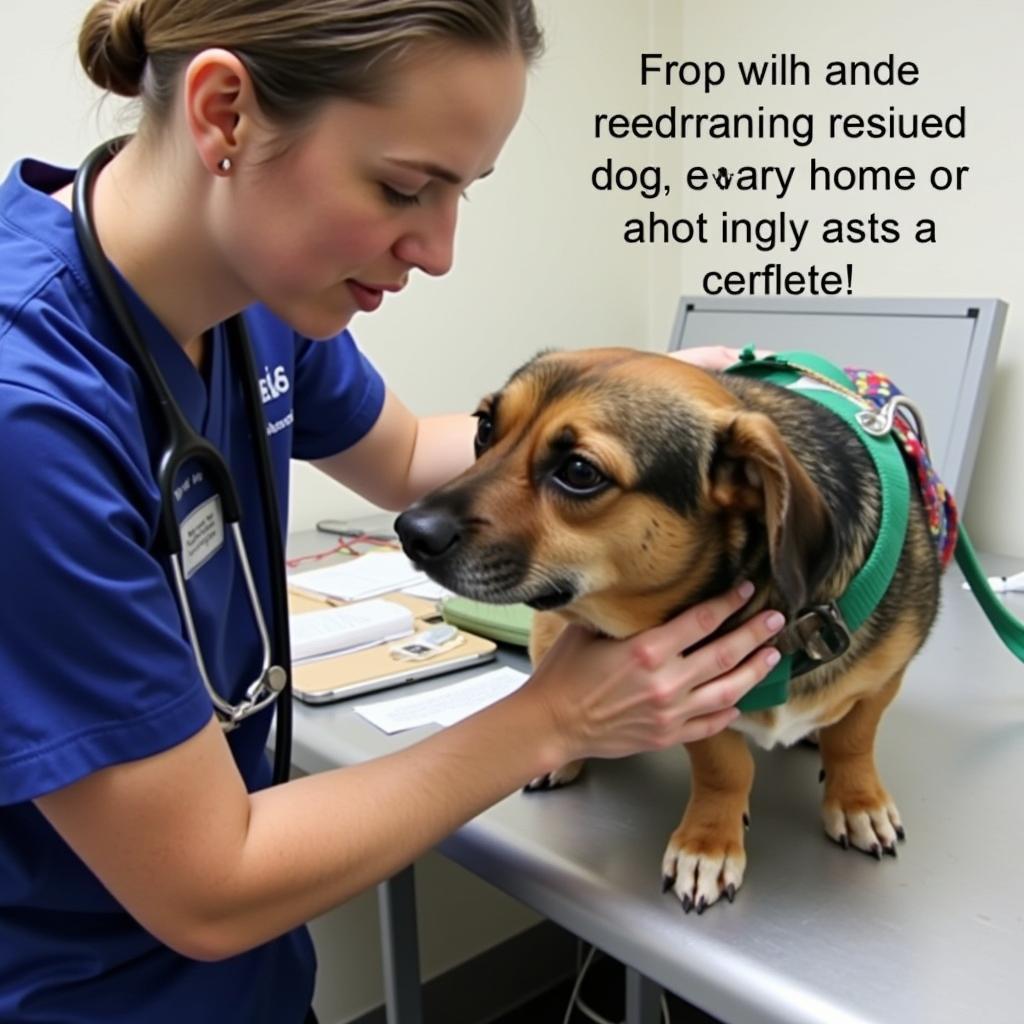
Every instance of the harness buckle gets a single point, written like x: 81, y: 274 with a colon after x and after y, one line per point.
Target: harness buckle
x: 876, y: 423
x: 822, y: 632
x: 879, y: 422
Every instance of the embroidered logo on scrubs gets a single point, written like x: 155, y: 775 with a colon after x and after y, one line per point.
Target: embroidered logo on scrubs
x: 273, y: 384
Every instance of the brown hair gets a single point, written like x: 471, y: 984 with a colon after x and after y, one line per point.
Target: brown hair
x: 297, y: 52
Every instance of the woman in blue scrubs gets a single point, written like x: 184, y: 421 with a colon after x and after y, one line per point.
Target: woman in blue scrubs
x: 298, y: 161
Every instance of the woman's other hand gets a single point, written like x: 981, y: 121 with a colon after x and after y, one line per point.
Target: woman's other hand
x: 713, y: 357
x: 610, y: 698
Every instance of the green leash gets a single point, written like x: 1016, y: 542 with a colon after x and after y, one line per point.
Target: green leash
x: 1009, y: 628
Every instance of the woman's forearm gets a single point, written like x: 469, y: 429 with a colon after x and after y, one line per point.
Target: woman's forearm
x: 385, y: 812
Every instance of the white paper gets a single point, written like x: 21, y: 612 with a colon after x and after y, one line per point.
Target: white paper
x: 367, y: 576
x: 429, y: 591
x: 1003, y: 584
x: 444, y: 706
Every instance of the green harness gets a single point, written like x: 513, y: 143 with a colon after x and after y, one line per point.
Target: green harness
x: 821, y: 633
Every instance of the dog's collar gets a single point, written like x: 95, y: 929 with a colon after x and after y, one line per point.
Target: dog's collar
x: 821, y: 633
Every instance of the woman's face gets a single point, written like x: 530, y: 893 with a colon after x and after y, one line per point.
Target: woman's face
x: 367, y: 193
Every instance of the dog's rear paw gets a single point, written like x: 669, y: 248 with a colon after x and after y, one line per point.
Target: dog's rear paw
x: 559, y: 777
x: 700, y: 869
x: 872, y: 825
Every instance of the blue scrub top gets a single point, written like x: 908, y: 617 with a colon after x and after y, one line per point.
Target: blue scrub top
x: 95, y: 668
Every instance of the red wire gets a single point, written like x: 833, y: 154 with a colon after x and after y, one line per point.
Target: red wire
x: 346, y: 545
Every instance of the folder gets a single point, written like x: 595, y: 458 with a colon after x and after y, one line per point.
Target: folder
x: 508, y: 623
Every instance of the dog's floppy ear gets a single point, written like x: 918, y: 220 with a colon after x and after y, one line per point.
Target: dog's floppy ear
x: 753, y: 470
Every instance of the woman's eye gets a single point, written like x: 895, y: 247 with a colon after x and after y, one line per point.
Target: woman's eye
x: 484, y: 431
x: 396, y: 198
x: 579, y: 476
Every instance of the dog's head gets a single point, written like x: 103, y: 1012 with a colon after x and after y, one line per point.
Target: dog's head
x: 619, y: 487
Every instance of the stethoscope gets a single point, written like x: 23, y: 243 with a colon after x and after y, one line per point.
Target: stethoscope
x: 183, y: 444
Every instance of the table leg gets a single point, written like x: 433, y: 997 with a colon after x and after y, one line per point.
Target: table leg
x: 643, y: 999
x: 400, y: 949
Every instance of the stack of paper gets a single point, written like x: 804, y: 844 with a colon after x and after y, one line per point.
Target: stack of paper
x: 349, y: 628
x: 367, y: 576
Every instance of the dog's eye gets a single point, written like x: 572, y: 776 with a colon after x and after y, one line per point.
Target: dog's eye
x: 579, y: 476
x: 484, y: 431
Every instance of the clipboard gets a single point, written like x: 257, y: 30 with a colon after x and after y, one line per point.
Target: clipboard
x: 373, y: 668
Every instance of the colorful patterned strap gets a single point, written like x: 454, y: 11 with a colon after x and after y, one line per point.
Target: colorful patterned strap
x: 939, y: 503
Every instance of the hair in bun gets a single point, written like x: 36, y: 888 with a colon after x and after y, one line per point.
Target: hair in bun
x: 112, y: 45
x: 297, y: 52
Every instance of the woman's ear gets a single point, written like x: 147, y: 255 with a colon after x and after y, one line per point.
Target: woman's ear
x: 753, y: 470
x: 219, y: 102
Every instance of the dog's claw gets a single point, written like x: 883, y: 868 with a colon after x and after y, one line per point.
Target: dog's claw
x: 667, y: 881
x: 844, y: 841
x: 746, y: 820
x: 891, y: 850
x: 876, y: 851
x: 901, y: 834
x: 701, y: 877
x: 821, y: 775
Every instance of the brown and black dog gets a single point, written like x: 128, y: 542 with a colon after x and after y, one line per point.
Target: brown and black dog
x: 614, y: 488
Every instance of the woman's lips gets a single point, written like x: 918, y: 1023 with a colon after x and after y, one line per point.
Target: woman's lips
x: 367, y: 297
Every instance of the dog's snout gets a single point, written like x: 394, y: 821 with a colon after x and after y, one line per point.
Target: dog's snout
x: 427, y: 533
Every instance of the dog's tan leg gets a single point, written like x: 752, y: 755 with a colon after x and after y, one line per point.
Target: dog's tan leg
x: 857, y: 809
x: 705, y: 857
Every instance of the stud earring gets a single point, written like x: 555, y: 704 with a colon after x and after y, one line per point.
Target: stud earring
x: 224, y: 166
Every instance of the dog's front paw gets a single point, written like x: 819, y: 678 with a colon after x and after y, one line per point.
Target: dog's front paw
x: 862, y: 817
x: 559, y: 777
x: 704, y: 861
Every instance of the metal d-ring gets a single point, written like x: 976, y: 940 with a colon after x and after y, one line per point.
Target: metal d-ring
x: 878, y: 422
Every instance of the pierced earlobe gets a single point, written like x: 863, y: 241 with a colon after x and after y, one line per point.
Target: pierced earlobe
x: 224, y: 165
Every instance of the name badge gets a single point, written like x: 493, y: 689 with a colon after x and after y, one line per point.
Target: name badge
x: 202, y: 535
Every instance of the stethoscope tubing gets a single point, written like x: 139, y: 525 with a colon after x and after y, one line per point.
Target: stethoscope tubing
x: 183, y: 444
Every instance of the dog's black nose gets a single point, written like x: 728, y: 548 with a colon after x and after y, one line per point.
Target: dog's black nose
x: 427, y: 534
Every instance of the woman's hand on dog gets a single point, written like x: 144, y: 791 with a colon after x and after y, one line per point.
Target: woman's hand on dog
x: 712, y: 357
x: 610, y: 698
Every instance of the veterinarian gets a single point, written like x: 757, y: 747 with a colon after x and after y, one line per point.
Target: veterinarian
x: 298, y: 161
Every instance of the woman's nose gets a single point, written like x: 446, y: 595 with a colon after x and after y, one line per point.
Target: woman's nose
x: 430, y: 245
